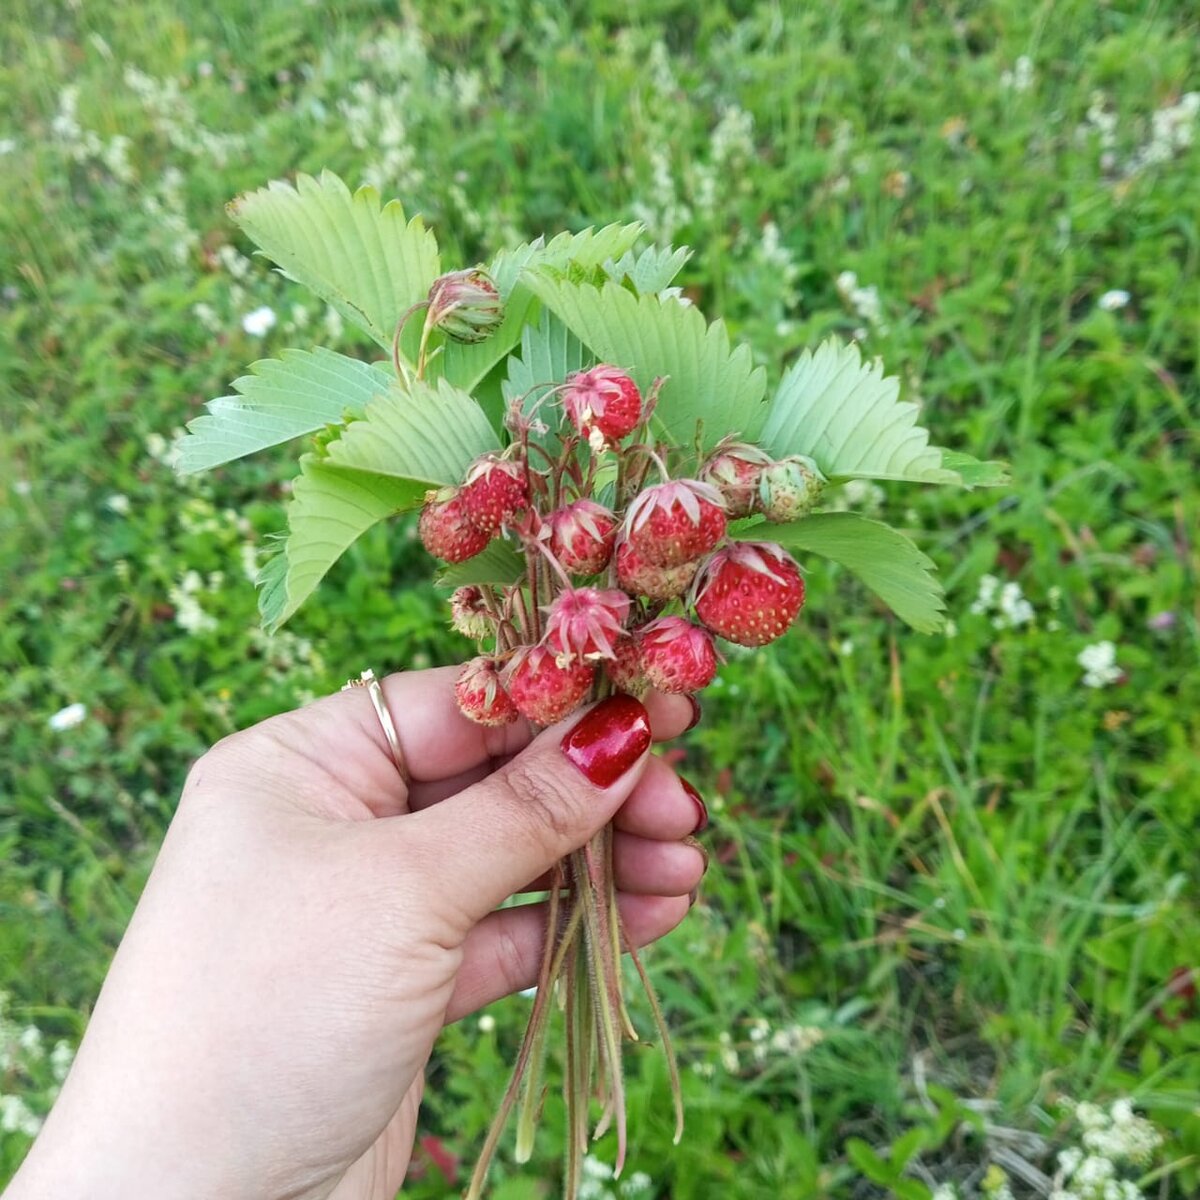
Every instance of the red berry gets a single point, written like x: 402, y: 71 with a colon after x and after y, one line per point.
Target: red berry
x: 582, y: 536
x: 494, y: 491
x: 625, y: 667
x: 676, y: 655
x: 749, y: 592
x: 735, y: 471
x: 641, y: 578
x: 481, y: 696
x: 543, y: 690
x: 585, y: 622
x: 603, y: 404
x: 468, y: 614
x: 445, y: 531
x: 674, y: 523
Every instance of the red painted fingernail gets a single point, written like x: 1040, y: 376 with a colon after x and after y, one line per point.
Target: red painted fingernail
x: 697, y: 713
x: 701, y: 807
x: 609, y: 739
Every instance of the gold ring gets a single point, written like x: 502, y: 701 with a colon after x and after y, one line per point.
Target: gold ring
x: 367, y: 679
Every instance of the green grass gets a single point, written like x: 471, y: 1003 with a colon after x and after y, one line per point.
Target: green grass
x: 974, y: 876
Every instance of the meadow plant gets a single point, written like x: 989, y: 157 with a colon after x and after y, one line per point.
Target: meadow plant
x: 610, y: 494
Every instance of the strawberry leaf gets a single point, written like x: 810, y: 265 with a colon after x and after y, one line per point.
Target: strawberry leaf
x: 329, y: 509
x: 549, y: 353
x: 847, y: 416
x: 282, y: 398
x: 424, y: 432
x: 498, y: 564
x: 368, y: 263
x: 708, y: 384
x: 651, y: 270
x: 900, y: 574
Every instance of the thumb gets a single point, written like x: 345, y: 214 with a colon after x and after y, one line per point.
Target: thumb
x: 491, y: 839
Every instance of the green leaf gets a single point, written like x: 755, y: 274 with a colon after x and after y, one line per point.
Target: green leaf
x: 868, y: 1162
x: 910, y: 1189
x: 549, y: 353
x: 329, y: 509
x: 427, y: 432
x: 847, y: 416
x: 972, y: 473
x: 707, y: 381
x: 466, y: 365
x: 906, y: 1145
x: 884, y: 559
x: 368, y: 262
x: 651, y: 270
x: 282, y: 398
x: 498, y: 564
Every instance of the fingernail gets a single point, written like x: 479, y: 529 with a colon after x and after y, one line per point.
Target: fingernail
x: 693, y: 896
x: 695, y: 845
x: 697, y: 713
x: 609, y: 739
x: 701, y: 807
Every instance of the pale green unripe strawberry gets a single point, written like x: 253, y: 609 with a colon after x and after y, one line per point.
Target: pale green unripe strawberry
x: 788, y: 489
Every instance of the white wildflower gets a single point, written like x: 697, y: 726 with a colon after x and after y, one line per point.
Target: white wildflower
x: 796, y: 1039
x: 1014, y: 609
x: 989, y: 585
x: 7, y: 146
x: 637, y: 1184
x: 207, y: 316
x: 727, y: 1053
x: 260, y: 322
x: 1099, y: 663
x: 945, y: 1191
x: 846, y: 647
x: 487, y: 1023
x: 1020, y: 78
x: 68, y: 718
x: 1113, y: 300
x: 118, y: 503
x: 864, y: 302
x: 334, y: 327
x: 17, y: 1117
x: 61, y: 1058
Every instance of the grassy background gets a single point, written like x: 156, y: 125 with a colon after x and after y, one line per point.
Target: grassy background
x: 953, y: 887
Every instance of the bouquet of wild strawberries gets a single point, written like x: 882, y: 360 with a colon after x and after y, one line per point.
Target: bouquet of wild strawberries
x: 608, y: 487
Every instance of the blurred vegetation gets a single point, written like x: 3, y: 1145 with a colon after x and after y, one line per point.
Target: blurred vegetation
x: 954, y: 886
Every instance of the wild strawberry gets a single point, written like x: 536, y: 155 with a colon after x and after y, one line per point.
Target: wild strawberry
x: 789, y: 488
x: 603, y: 404
x: 543, y: 690
x: 749, y: 592
x: 641, y: 578
x: 734, y: 471
x: 582, y: 536
x: 481, y: 696
x: 493, y: 492
x: 624, y: 669
x: 468, y: 614
x: 676, y: 655
x: 586, y: 622
x: 445, y: 531
x: 465, y: 305
x: 673, y: 523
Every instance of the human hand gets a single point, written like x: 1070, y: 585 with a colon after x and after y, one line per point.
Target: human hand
x: 312, y: 923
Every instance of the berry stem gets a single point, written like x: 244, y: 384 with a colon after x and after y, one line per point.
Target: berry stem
x: 555, y: 565
x: 401, y: 367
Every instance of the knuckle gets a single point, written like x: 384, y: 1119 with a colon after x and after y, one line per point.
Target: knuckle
x: 546, y: 804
